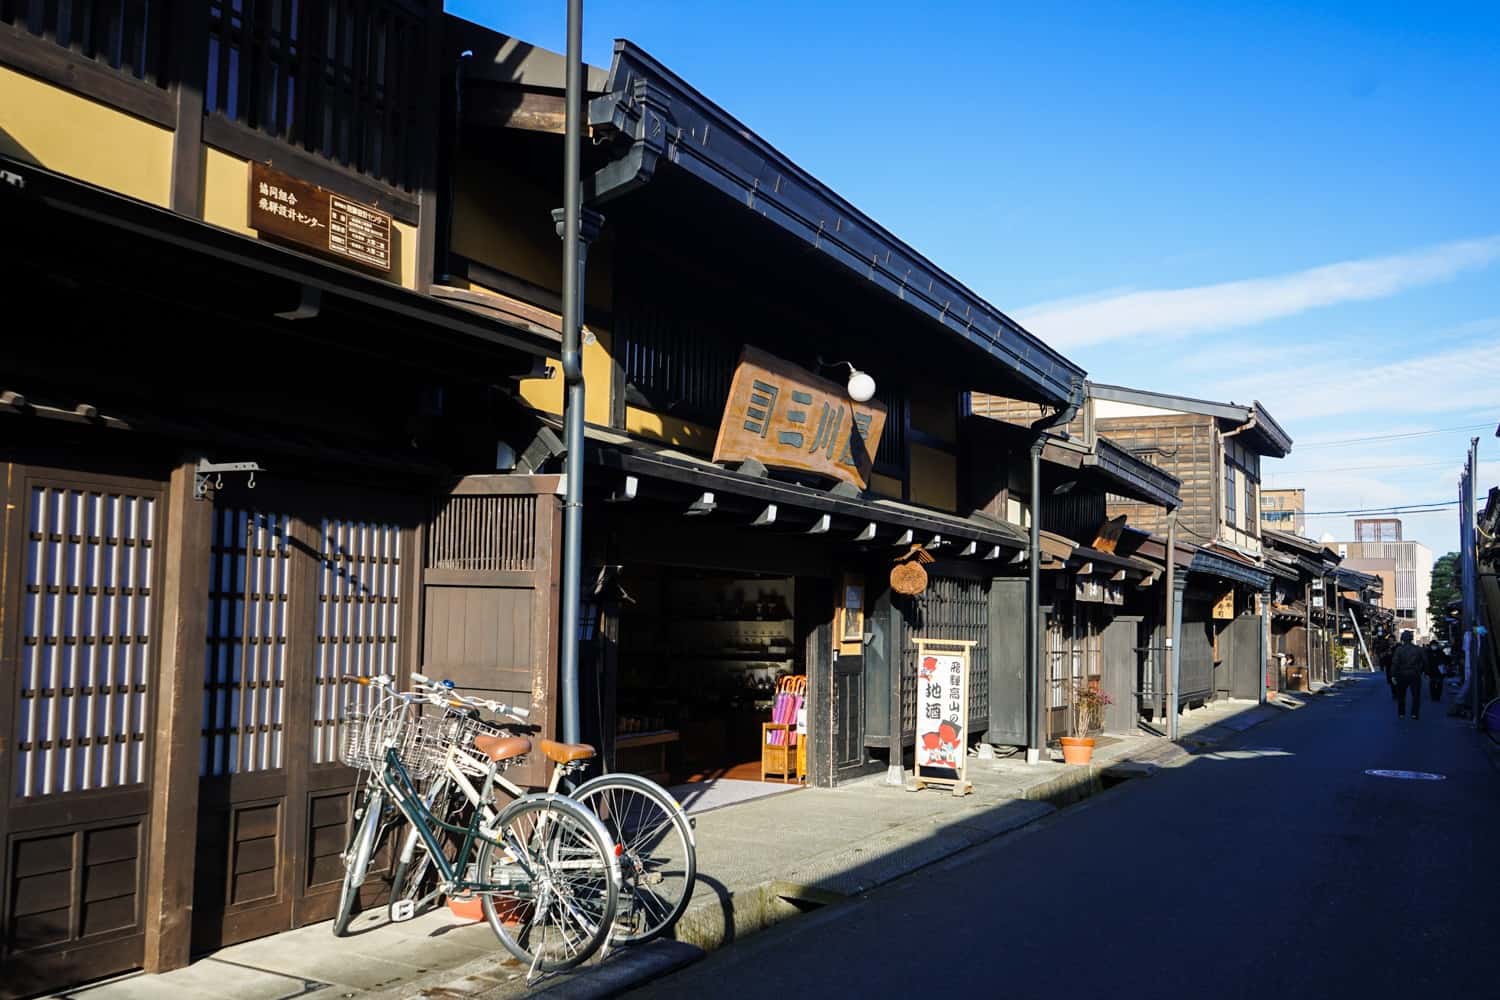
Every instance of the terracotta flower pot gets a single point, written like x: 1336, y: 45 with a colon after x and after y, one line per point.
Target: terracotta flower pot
x: 466, y: 909
x: 1077, y: 749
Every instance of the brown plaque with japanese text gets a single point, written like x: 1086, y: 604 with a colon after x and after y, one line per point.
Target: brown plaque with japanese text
x: 310, y: 216
x: 788, y: 418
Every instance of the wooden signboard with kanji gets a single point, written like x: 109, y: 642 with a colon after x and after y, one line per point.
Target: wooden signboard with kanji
x: 788, y: 418
x: 1224, y: 606
x: 941, y: 757
x: 297, y: 212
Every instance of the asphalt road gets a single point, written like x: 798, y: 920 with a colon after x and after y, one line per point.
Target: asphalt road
x: 1271, y: 868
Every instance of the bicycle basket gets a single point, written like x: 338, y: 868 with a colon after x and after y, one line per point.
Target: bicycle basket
x: 416, y: 739
x: 459, y: 730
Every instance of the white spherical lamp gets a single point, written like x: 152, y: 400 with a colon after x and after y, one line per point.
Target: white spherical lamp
x: 861, y: 386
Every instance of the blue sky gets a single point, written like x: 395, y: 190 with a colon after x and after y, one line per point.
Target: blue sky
x: 1289, y: 202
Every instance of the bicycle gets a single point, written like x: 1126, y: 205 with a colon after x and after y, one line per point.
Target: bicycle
x: 658, y: 848
x: 544, y: 864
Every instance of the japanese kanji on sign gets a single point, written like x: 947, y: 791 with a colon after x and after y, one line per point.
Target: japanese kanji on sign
x: 298, y: 212
x: 786, y: 417
x: 942, y: 714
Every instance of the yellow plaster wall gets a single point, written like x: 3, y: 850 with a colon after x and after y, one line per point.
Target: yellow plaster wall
x: 934, y: 478
x: 886, y: 486
x: 504, y: 221
x: 546, y: 394
x: 678, y: 433
x: 226, y: 191
x: 84, y: 139
x: 226, y: 203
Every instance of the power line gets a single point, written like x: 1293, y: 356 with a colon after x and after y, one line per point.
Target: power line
x: 1396, y: 437
x: 1416, y: 508
x: 1372, y: 468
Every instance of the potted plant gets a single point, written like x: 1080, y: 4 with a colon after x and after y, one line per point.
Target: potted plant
x: 1087, y: 717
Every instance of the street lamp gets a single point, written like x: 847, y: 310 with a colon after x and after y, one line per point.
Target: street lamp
x: 861, y: 385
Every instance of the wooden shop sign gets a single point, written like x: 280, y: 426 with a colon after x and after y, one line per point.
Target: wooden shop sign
x: 788, y: 418
x: 1224, y: 606
x: 307, y: 215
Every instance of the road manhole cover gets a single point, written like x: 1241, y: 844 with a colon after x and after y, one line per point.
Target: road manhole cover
x: 1409, y: 775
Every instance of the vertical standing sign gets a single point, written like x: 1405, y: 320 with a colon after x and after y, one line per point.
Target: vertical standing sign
x: 942, y: 714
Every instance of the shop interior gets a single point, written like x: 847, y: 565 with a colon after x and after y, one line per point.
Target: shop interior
x: 700, y: 656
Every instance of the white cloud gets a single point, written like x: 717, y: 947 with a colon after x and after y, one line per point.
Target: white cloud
x: 1460, y: 379
x: 1230, y: 304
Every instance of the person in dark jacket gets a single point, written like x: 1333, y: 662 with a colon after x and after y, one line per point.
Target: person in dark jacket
x: 1408, y: 663
x: 1435, y: 663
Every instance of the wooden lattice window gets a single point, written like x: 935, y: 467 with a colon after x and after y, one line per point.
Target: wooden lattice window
x: 484, y: 533
x: 86, y: 615
x: 950, y: 608
x: 340, y: 79
x: 244, y: 682
x: 126, y: 35
x: 359, y: 620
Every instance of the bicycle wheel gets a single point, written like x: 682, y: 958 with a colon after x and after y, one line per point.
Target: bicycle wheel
x: 561, y: 882
x: 357, y: 854
x: 658, y: 857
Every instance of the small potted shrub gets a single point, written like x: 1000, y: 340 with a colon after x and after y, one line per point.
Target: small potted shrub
x: 1087, y: 717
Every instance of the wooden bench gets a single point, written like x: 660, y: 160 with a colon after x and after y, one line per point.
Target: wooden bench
x: 645, y: 753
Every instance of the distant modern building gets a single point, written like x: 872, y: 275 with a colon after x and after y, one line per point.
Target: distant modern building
x: 1379, y: 548
x: 1284, y: 510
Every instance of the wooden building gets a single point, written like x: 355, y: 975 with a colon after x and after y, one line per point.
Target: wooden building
x: 1301, y: 620
x: 315, y: 244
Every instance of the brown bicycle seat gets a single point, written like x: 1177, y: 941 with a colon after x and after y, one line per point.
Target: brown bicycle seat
x: 498, y: 748
x: 566, y: 753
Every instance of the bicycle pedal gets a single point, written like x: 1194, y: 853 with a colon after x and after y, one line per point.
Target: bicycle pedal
x: 401, y: 910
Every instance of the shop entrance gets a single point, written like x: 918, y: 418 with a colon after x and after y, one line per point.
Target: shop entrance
x: 700, y: 657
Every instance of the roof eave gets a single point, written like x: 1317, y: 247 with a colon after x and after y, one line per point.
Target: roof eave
x: 700, y: 138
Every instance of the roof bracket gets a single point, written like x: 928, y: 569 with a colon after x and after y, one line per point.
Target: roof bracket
x: 867, y: 533
x: 308, y: 306
x: 628, y: 491
x: 766, y: 517
x: 705, y: 504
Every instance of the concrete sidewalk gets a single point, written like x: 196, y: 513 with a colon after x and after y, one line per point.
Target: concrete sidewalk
x: 759, y: 862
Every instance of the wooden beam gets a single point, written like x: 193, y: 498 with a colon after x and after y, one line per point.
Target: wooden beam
x: 1118, y: 575
x: 1018, y: 558
x: 1085, y: 569
x: 993, y: 553
x: 531, y: 111
x: 173, y: 832
x: 765, y: 517
x: 937, y: 540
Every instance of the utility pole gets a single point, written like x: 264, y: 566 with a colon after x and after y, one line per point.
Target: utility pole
x: 1169, y: 652
x: 1034, y: 613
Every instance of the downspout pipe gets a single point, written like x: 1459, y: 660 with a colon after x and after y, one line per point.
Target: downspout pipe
x: 572, y: 367
x: 1169, y: 650
x: 1034, y: 559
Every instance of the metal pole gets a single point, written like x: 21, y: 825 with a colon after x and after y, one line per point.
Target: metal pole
x: 572, y: 366
x: 1471, y: 583
x: 1169, y: 659
x: 1034, y: 613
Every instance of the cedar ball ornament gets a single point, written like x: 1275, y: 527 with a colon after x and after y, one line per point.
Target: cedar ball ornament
x: 908, y: 577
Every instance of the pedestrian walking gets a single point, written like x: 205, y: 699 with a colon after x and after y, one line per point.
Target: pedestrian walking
x: 1435, y: 664
x: 1408, y: 664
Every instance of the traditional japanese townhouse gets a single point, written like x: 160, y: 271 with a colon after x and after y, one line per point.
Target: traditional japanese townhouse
x: 1215, y: 449
x: 1300, y: 626
x: 1098, y: 598
x: 745, y: 503
x: 228, y: 402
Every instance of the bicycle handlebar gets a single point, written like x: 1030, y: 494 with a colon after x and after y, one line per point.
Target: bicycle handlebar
x: 445, y: 690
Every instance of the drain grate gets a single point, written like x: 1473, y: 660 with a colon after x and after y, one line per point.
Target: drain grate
x: 1408, y: 775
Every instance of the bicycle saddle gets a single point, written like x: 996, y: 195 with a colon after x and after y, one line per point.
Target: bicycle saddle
x: 566, y: 753
x: 498, y: 748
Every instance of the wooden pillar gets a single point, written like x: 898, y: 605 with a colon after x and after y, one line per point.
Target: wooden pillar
x: 190, y: 44
x: 179, y: 724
